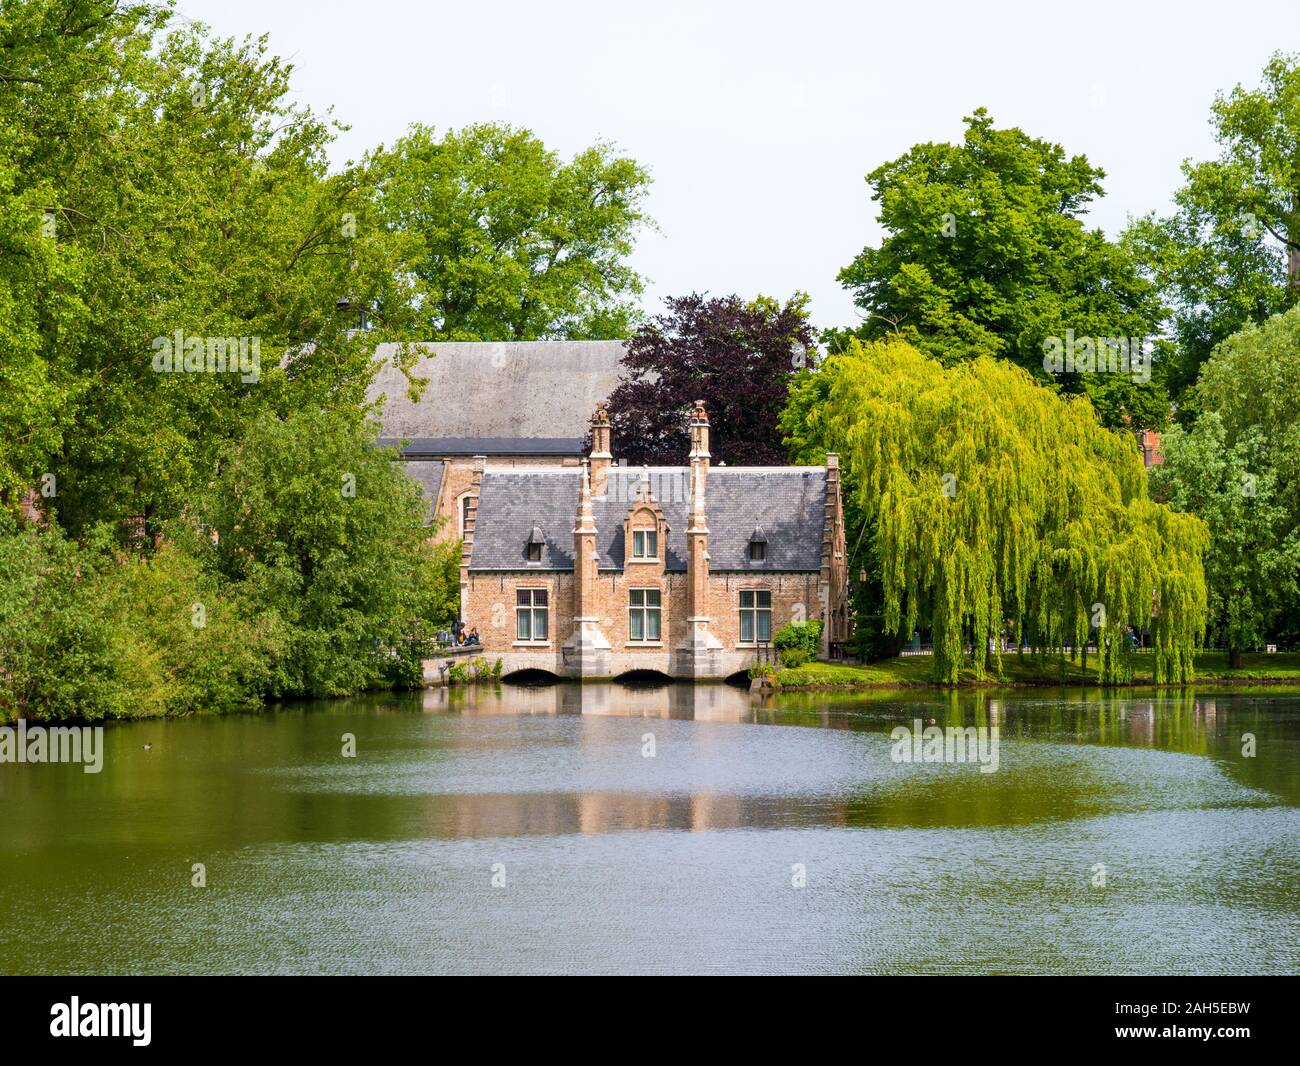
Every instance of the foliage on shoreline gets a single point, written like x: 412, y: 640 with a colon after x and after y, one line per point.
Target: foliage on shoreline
x: 1035, y: 670
x: 307, y: 591
x: 87, y: 633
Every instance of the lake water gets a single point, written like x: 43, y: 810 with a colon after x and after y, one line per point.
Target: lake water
x: 763, y: 835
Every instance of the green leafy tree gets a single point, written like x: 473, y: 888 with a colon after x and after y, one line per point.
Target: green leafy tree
x: 1253, y: 561
x: 995, y: 500
x: 506, y: 241
x: 88, y: 634
x: 809, y: 434
x: 325, y: 529
x: 158, y: 184
x: 1229, y: 255
x: 986, y: 253
x: 52, y: 55
x: 1247, y: 437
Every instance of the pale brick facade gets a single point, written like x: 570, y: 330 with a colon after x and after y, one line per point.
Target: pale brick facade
x: 617, y: 579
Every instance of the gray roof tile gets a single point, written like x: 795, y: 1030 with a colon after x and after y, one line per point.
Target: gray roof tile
x: 426, y: 447
x: 787, y: 502
x: 503, y: 390
x: 428, y: 475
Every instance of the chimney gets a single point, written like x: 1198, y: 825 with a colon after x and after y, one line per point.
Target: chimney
x: 697, y: 545
x: 587, y: 651
x: 584, y: 553
x: 700, y: 443
x: 700, y: 653
x: 600, y: 454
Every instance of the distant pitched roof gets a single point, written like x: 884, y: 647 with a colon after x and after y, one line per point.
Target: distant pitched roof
x: 788, y: 502
x: 428, y: 475
x: 543, y: 390
x: 436, y: 447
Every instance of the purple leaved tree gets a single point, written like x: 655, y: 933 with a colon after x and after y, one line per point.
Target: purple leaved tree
x: 737, y: 356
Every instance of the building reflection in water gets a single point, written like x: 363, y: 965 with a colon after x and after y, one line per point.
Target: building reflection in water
x: 684, y: 702
x: 640, y: 806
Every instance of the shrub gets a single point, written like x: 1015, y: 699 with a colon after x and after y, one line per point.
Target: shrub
x: 792, y: 658
x: 88, y: 634
x: 806, y: 636
x: 762, y: 670
x: 406, y: 667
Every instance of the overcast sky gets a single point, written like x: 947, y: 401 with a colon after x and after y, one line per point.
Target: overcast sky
x: 759, y: 120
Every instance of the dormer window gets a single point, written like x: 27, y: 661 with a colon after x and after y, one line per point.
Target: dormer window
x: 533, y: 549
x: 758, y: 546
x: 645, y: 544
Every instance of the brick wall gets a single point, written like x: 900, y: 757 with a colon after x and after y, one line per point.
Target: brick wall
x: 458, y: 478
x: 490, y: 606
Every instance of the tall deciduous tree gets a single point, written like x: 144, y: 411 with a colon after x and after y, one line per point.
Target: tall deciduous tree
x: 995, y: 500
x: 986, y: 253
x: 327, y: 531
x: 1253, y: 562
x: 736, y: 356
x: 508, y: 241
x: 161, y: 183
x: 1229, y: 255
x: 1238, y: 467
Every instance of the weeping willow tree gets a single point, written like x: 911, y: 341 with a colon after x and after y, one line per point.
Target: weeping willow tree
x: 1002, y: 508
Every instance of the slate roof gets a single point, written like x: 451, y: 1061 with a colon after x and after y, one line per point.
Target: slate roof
x: 428, y: 475
x: 429, y: 447
x: 787, y: 502
x: 504, y: 391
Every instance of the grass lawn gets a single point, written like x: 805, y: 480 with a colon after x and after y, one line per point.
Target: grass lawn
x: 1028, y: 670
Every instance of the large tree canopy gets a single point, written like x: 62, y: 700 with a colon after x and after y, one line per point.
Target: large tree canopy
x: 1238, y: 467
x: 162, y: 201
x: 1253, y: 561
x: 1229, y: 255
x: 326, y: 530
x: 998, y: 504
x: 157, y: 185
x: 736, y: 356
x: 986, y: 253
x: 507, y: 241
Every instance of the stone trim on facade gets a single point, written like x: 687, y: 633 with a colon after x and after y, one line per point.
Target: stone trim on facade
x: 593, y: 593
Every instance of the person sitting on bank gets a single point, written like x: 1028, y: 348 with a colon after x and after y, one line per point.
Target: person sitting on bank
x: 473, y: 636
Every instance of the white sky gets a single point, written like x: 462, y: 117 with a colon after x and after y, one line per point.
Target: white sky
x: 758, y: 120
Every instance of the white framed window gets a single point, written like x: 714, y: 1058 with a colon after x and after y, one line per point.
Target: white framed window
x: 532, y: 610
x: 755, y: 616
x: 645, y: 544
x: 644, y: 618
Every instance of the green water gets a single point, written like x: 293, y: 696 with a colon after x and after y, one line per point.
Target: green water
x: 687, y: 860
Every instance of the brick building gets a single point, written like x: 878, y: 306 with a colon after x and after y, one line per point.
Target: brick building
x: 602, y: 569
x: 1149, y: 444
x: 575, y: 564
x: 498, y: 405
